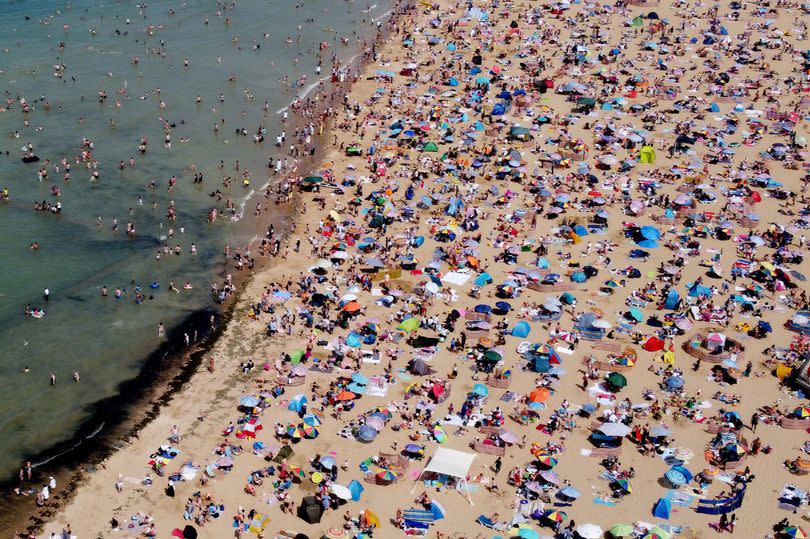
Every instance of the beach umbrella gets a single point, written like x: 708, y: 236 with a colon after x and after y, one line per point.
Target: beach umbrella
x: 414, y: 449
x: 539, y: 394
x: 802, y: 412
x: 376, y: 422
x: 503, y: 305
x: 439, y: 434
x: 556, y: 516
x: 794, y: 532
x: 621, y: 530
x: 650, y: 233
x: 614, y: 429
x: 310, y: 431
x: 337, y: 532
x: 624, y: 485
x: 327, y: 462
x: 480, y: 389
x: 675, y: 477
x: 508, y: 437
x: 367, y: 433
x: 249, y: 400
x: 617, y: 379
x: 570, y: 492
x: 295, y: 432
x: 386, y: 475
x: 657, y: 532
x: 589, y: 531
x: 312, y: 420
x: 547, y: 461
x: 345, y: 395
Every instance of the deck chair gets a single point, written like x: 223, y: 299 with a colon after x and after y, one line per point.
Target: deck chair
x: 485, y: 521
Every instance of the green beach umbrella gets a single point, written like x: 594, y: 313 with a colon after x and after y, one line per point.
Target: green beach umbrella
x: 313, y: 180
x: 617, y: 379
x: 621, y: 530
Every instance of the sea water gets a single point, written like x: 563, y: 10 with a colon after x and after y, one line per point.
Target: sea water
x: 106, y: 339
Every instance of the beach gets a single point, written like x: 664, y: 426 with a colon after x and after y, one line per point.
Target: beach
x: 546, y: 278
x: 148, y: 170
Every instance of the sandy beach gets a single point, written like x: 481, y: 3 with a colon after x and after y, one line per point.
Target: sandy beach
x: 547, y: 272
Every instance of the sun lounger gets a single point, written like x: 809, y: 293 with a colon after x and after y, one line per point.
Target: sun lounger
x: 485, y: 521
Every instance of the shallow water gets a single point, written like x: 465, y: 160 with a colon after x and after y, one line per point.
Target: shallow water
x: 106, y: 339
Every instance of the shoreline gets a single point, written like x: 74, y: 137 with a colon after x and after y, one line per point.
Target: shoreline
x: 115, y: 420
x: 73, y: 460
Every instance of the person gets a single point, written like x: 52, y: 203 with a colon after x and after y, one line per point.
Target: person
x: 498, y: 465
x: 754, y: 421
x: 119, y: 484
x: 174, y: 434
x: 53, y: 379
x: 76, y: 376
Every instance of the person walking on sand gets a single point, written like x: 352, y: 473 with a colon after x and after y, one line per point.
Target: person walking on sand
x: 119, y: 485
x: 161, y: 330
x: 174, y: 435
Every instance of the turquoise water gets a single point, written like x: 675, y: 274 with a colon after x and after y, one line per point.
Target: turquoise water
x: 106, y: 339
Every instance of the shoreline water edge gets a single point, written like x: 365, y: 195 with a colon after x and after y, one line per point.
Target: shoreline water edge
x: 113, y: 422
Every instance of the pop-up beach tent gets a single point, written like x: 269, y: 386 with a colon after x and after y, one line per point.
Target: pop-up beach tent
x: 452, y: 463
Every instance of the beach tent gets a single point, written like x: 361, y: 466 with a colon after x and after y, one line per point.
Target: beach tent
x: 646, y: 154
x: 297, y: 403
x: 450, y: 462
x: 521, y: 329
x: 662, y: 508
x: 430, y: 147
x: 356, y: 489
x: 310, y: 510
x: 672, y: 299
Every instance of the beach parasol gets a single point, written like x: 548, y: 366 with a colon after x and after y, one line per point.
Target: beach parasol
x: 570, y: 492
x: 311, y: 420
x: 547, y: 461
x: 556, y: 516
x: 336, y: 532
x: 295, y: 432
x: 508, y: 437
x: 589, y: 531
x: 802, y: 412
x: 439, y: 434
x: 624, y: 485
x: 621, y: 530
x: 249, y: 400
x: 327, y: 462
x: 617, y: 379
x: 550, y: 476
x: 614, y: 429
x: 658, y: 533
x: 310, y: 431
x: 480, y: 390
x: 794, y: 532
x: 224, y: 462
x: 345, y: 395
x: 367, y: 433
x: 375, y: 422
x: 675, y: 477
x: 386, y: 475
